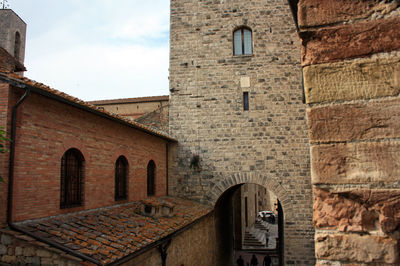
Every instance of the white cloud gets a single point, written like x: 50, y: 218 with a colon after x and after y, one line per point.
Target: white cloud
x: 98, y: 49
x: 101, y: 72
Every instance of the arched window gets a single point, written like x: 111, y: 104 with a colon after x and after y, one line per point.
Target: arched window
x: 72, y: 173
x: 151, y: 178
x: 242, y: 43
x: 121, y: 178
x: 17, y: 45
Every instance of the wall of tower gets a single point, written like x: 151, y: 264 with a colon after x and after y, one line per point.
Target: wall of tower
x: 10, y: 23
x: 268, y: 144
x: 351, y: 66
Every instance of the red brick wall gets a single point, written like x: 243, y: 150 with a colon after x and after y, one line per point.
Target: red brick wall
x: 47, y: 128
x: 3, y: 157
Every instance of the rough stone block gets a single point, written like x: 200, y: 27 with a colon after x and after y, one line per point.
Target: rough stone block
x: 32, y: 260
x: 367, y: 121
x: 357, y: 210
x: 356, y: 248
x: 6, y: 239
x: 358, y: 79
x: 355, y: 163
x: 3, y: 249
x: 18, y: 251
x: 46, y: 261
x: 8, y: 259
x: 29, y: 251
x: 350, y: 41
x: 315, y: 13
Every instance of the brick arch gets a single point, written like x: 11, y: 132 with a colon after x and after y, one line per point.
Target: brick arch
x: 254, y: 178
x: 118, y: 152
x: 71, y: 143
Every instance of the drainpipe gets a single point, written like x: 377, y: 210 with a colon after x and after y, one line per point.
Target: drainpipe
x: 163, y: 252
x: 11, y: 187
x: 167, y: 183
x: 12, y: 155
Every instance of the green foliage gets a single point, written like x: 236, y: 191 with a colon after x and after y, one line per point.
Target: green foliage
x: 195, y: 162
x: 3, y: 145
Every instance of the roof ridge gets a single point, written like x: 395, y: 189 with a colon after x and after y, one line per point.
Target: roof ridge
x: 7, y: 77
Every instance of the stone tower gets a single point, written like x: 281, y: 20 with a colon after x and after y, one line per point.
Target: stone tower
x: 236, y: 108
x: 12, y: 34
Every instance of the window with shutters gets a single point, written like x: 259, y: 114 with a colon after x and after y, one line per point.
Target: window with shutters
x: 242, y: 41
x: 121, y: 178
x: 72, y: 174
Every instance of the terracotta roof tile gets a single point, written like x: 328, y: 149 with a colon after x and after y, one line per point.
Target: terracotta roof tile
x: 109, y: 234
x: 11, y: 77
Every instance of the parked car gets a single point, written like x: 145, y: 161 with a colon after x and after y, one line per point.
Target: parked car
x: 267, y: 216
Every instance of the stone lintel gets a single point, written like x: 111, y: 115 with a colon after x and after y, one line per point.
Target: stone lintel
x: 356, y: 248
x: 355, y: 163
x: 362, y: 121
x: 350, y: 41
x: 316, y: 13
x: 358, y: 210
x: 351, y: 80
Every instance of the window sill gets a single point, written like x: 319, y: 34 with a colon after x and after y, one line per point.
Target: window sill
x: 243, y: 56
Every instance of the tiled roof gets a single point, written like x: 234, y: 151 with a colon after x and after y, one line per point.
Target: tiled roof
x: 132, y: 100
x: 8, y: 63
x: 40, y: 87
x: 109, y: 234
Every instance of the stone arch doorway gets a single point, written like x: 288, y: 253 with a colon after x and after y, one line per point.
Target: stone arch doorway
x: 249, y: 222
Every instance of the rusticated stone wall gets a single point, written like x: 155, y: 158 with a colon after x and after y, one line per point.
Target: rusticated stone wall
x: 193, y: 247
x: 20, y: 249
x: 266, y: 145
x: 351, y: 70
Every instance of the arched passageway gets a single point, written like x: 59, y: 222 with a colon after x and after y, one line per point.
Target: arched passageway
x: 249, y: 226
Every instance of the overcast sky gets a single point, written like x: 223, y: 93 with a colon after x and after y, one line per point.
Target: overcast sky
x: 97, y: 49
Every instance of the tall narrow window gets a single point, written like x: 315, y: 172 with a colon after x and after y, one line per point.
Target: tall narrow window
x: 246, y: 101
x: 242, y: 42
x: 121, y: 178
x: 17, y: 45
x: 72, y: 173
x: 151, y: 178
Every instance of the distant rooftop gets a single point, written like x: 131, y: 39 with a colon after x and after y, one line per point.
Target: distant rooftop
x: 44, y: 90
x: 131, y: 100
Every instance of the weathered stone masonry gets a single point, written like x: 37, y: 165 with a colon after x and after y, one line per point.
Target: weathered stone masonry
x: 350, y: 57
x: 268, y: 144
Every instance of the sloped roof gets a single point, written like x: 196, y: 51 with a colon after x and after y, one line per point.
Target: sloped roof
x: 109, y: 234
x: 131, y: 100
x: 44, y: 90
x: 8, y: 63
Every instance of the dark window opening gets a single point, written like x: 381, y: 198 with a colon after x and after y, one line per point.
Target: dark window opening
x: 255, y: 203
x: 72, y: 173
x: 147, y: 209
x: 245, y: 101
x: 17, y: 45
x: 242, y: 41
x: 246, y: 215
x: 151, y: 178
x: 121, y: 178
